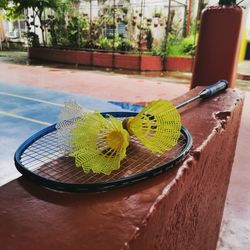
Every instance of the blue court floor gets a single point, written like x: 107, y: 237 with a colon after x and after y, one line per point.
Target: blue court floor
x: 25, y: 110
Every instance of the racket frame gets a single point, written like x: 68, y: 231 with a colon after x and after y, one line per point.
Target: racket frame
x: 101, y: 186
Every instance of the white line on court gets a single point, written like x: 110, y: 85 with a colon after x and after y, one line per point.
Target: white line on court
x: 31, y: 99
x: 24, y: 118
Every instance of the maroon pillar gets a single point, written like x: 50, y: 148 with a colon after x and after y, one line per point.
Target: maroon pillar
x: 217, y: 51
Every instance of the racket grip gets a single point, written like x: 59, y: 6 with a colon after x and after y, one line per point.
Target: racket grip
x: 213, y: 89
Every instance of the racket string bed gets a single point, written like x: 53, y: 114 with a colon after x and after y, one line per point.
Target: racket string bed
x: 48, y: 161
x: 39, y: 153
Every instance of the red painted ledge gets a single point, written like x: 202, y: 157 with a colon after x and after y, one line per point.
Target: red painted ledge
x: 102, y: 59
x: 125, y: 61
x: 153, y: 63
x: 179, y: 63
x: 108, y: 59
x: 59, y: 55
x: 180, y: 209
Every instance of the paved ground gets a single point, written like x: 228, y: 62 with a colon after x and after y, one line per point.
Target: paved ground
x: 100, y: 84
x: 24, y: 111
x: 244, y: 70
x: 63, y: 83
x: 235, y: 231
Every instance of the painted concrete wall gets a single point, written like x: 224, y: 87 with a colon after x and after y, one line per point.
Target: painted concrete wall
x: 180, y: 209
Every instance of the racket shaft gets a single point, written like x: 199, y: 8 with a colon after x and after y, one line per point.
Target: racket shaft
x: 207, y: 92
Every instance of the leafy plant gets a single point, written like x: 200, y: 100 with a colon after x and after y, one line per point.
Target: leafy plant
x: 76, y: 29
x: 16, y: 8
x: 119, y: 43
x: 149, y: 38
x: 125, y: 45
x: 58, y: 32
x: 181, y: 47
x: 188, y: 45
x: 33, y: 39
x: 104, y: 43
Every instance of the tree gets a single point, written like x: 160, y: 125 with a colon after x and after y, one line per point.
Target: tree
x: 16, y: 8
x: 4, y: 4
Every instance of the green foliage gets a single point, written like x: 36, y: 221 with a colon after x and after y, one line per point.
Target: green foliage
x: 193, y: 28
x: 120, y: 43
x: 125, y: 45
x: 182, y: 47
x: 149, y: 38
x: 104, y: 43
x: 67, y: 28
x: 33, y: 39
x: 159, y: 52
x: 63, y: 6
x: 76, y: 30
x: 16, y: 8
x: 177, y: 47
x: 188, y: 45
x: 57, y: 30
x: 72, y: 33
x: 175, y: 50
x: 4, y: 4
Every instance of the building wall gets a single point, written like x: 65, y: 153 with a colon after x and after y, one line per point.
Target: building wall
x: 247, y: 19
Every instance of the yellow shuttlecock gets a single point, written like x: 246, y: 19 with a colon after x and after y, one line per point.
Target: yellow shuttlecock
x: 157, y: 126
x: 99, y: 144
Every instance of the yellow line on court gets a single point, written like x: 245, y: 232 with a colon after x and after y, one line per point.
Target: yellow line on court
x: 24, y: 118
x: 30, y: 99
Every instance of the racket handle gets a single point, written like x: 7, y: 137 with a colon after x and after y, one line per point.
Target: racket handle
x: 213, y: 89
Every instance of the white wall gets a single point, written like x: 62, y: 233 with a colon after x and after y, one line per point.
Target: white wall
x: 85, y: 8
x: 248, y: 18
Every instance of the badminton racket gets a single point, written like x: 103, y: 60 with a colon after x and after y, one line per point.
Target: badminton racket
x: 40, y: 158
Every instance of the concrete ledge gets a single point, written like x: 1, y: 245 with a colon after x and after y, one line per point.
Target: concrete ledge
x: 190, y: 208
x: 181, y: 209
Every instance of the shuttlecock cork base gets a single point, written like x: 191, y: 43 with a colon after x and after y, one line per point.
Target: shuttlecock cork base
x: 99, y: 144
x: 157, y: 126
